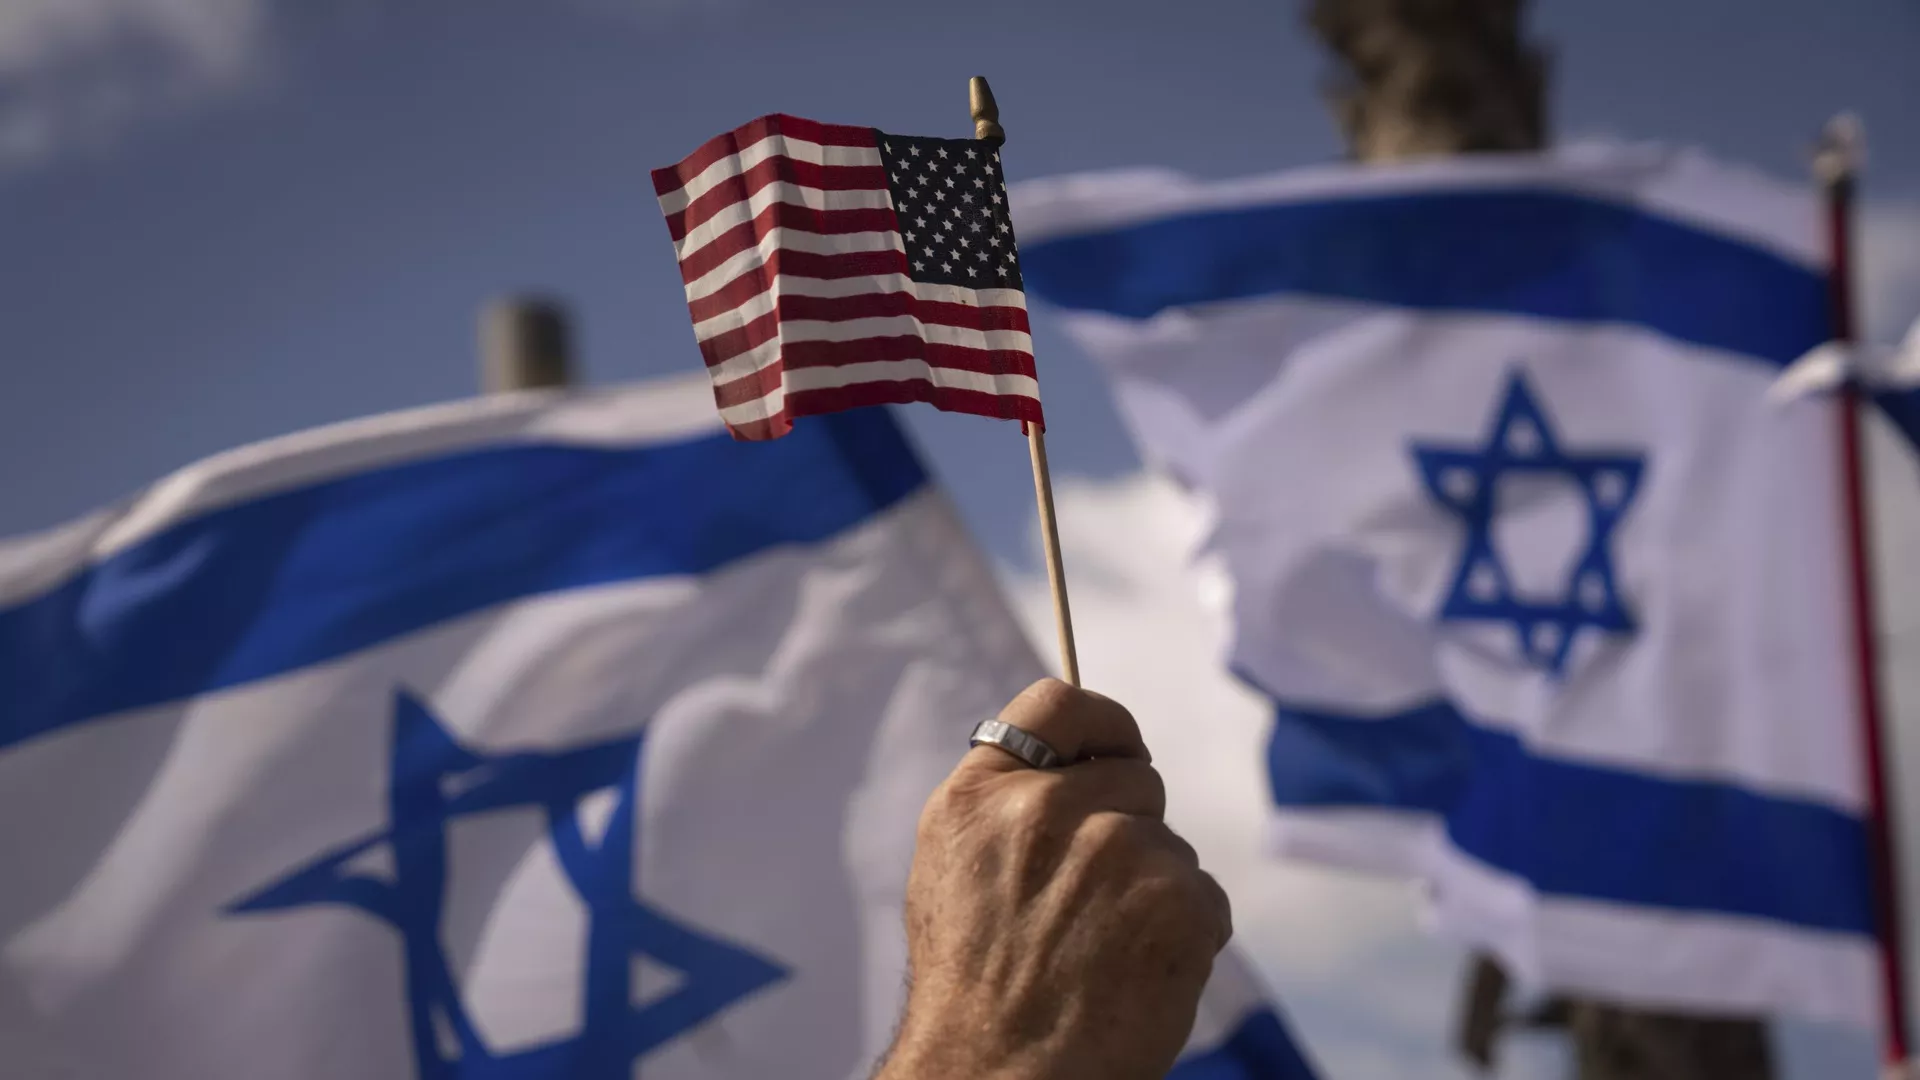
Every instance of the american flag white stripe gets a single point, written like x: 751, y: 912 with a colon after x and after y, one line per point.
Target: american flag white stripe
x: 789, y: 240
x: 814, y: 379
x: 805, y: 298
x: 766, y: 354
x: 965, y: 337
x: 737, y: 214
x: 830, y: 288
x: 766, y: 149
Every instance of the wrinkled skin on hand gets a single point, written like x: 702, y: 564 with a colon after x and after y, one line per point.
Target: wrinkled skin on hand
x: 1056, y: 928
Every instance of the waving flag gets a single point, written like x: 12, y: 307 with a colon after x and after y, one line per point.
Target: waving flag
x: 538, y: 738
x: 830, y: 266
x: 1548, y: 596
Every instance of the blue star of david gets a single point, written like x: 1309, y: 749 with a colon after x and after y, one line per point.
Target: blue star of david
x: 436, y: 780
x: 1521, y: 441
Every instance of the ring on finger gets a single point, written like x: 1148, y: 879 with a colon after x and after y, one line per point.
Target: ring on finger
x: 1028, y: 747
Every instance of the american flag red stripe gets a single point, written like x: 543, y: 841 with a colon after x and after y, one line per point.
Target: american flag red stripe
x: 776, y: 176
x: 802, y: 294
x: 747, y: 234
x: 751, y: 133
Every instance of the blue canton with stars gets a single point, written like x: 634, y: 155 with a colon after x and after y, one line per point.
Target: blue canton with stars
x: 436, y: 780
x: 950, y: 198
x: 1464, y: 480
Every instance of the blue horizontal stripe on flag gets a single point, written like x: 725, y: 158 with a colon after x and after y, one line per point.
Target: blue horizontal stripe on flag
x: 1547, y: 254
x: 298, y: 577
x: 1581, y: 830
x: 1259, y: 1049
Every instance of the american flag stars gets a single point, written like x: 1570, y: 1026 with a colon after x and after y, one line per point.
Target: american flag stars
x: 953, y: 193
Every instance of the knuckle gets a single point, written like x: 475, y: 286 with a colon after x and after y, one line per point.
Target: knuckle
x: 1049, y: 790
x: 1180, y: 911
x: 1161, y: 894
x: 1209, y: 914
x: 1048, y: 697
x: 1171, y: 881
x: 1020, y: 805
x: 1123, y: 784
x: 1116, y: 848
x: 951, y: 804
x: 1031, y: 805
x: 1181, y: 851
x: 1108, y: 705
x: 934, y: 818
x: 1109, y: 836
x: 1222, y: 905
x: 1154, y: 788
x: 1114, y: 722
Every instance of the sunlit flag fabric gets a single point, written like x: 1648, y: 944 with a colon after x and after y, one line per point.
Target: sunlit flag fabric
x: 830, y: 266
x: 534, y: 738
x: 1548, y: 597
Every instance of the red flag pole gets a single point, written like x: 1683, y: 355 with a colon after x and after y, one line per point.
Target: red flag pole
x: 1837, y: 164
x: 986, y: 128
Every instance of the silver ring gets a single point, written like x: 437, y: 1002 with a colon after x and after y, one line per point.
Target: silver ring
x: 1028, y: 748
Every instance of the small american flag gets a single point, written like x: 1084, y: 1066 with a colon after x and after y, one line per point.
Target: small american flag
x: 829, y: 267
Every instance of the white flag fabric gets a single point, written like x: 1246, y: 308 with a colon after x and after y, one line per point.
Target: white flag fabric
x: 1548, y: 596
x: 1884, y: 368
x: 548, y: 737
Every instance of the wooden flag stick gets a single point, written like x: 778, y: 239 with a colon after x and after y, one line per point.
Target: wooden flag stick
x: 1050, y: 539
x: 986, y: 128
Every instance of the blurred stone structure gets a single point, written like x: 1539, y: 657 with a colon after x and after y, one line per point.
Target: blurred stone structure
x: 1420, y: 78
x: 1426, y: 77
x: 525, y: 344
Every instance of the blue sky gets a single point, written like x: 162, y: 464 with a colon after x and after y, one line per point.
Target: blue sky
x: 222, y: 220
x: 226, y: 219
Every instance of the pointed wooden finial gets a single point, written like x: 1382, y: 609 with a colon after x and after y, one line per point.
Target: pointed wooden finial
x: 986, y: 111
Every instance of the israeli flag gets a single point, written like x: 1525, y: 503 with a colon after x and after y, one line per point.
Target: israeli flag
x: 1549, y: 598
x: 534, y: 737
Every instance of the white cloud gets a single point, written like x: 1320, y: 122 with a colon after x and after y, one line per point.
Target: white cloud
x: 75, y: 73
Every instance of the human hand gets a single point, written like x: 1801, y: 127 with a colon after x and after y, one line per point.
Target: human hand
x: 1056, y: 928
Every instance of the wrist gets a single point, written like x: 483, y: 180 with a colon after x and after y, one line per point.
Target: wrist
x: 943, y: 1050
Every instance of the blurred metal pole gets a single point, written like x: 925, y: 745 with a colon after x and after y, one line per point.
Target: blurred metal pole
x: 524, y: 345
x: 1420, y: 78
x: 1836, y: 166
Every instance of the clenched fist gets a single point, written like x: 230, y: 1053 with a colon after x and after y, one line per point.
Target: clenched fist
x: 1056, y: 928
